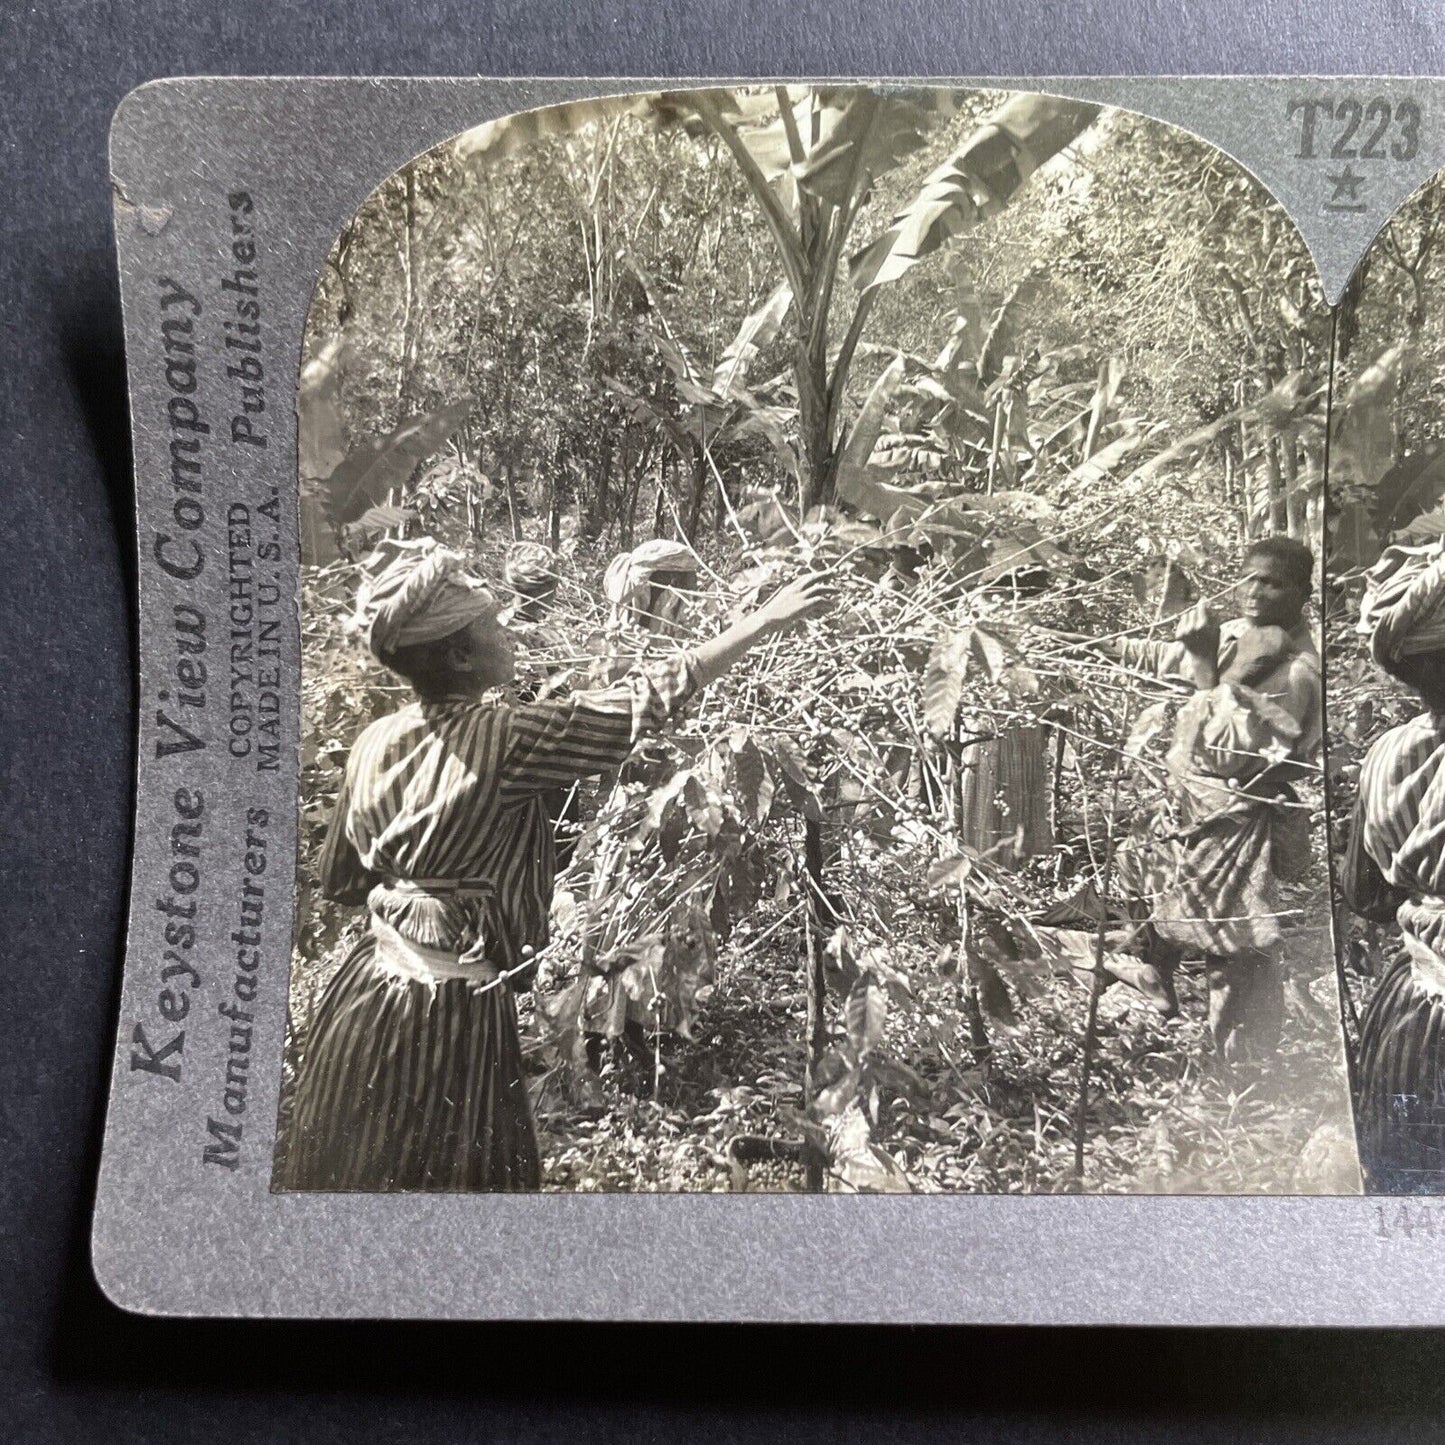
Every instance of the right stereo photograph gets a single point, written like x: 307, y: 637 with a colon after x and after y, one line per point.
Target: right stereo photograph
x: 1385, y: 693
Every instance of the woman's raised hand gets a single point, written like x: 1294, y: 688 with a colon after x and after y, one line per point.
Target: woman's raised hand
x: 1198, y: 629
x: 807, y: 596
x: 789, y: 607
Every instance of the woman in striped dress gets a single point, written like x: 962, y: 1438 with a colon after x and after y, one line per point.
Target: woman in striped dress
x: 1396, y: 866
x: 411, y: 1075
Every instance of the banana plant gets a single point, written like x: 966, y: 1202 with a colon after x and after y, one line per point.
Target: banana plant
x: 811, y: 170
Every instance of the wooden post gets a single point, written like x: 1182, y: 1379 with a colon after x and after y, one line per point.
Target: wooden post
x: 815, y: 980
x: 1004, y: 797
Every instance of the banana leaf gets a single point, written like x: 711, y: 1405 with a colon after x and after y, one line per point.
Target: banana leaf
x: 855, y: 484
x: 845, y: 133
x: 1414, y: 485
x: 872, y: 136
x: 1364, y: 442
x: 759, y: 330
x: 976, y: 181
x: 378, y: 463
x: 1285, y: 402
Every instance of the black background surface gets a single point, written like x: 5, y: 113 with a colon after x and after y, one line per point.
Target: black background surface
x: 72, y: 1366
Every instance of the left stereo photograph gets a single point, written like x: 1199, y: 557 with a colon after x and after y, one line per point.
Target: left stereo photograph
x: 803, y: 685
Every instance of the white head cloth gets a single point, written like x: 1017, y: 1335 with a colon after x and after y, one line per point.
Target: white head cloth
x: 416, y: 592
x: 630, y: 573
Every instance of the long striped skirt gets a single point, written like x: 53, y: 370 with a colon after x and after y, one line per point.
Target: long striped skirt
x: 1401, y: 1114
x: 1213, y: 888
x: 410, y: 1085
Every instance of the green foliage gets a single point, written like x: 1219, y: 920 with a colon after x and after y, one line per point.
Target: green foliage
x: 378, y: 465
x: 634, y: 320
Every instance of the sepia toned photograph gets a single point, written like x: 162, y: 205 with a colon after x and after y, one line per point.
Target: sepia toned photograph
x: 1386, y: 665
x: 811, y: 661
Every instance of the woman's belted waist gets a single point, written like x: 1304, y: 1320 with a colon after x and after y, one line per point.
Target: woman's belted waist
x: 439, y: 943
x: 442, y: 887
x: 407, y: 959
x: 447, y: 897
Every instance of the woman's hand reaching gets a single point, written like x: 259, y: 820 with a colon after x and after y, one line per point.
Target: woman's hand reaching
x: 791, y: 606
x: 1198, y: 629
x: 807, y: 596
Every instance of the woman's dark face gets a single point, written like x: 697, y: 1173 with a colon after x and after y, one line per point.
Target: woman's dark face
x: 1269, y: 594
x: 661, y: 613
x: 1425, y: 672
x: 489, y: 654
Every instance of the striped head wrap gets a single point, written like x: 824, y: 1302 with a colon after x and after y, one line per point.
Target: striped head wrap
x: 530, y: 569
x: 414, y: 592
x: 1403, y: 611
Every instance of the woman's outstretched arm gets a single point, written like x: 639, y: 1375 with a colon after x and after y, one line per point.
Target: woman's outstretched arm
x: 807, y: 596
x: 552, y: 743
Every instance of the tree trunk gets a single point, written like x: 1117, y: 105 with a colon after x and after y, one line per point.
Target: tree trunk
x: 659, y: 509
x: 597, y: 503
x: 1257, y: 498
x: 639, y: 469
x: 554, y: 495
x: 1294, y: 503
x: 409, y: 327
x: 510, y: 480
x: 474, y: 510
x: 810, y: 371
x: 720, y: 512
x: 699, y: 490
x: 1278, y: 513
x: 958, y: 788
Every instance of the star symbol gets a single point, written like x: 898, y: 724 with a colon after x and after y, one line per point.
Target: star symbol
x: 1346, y: 193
